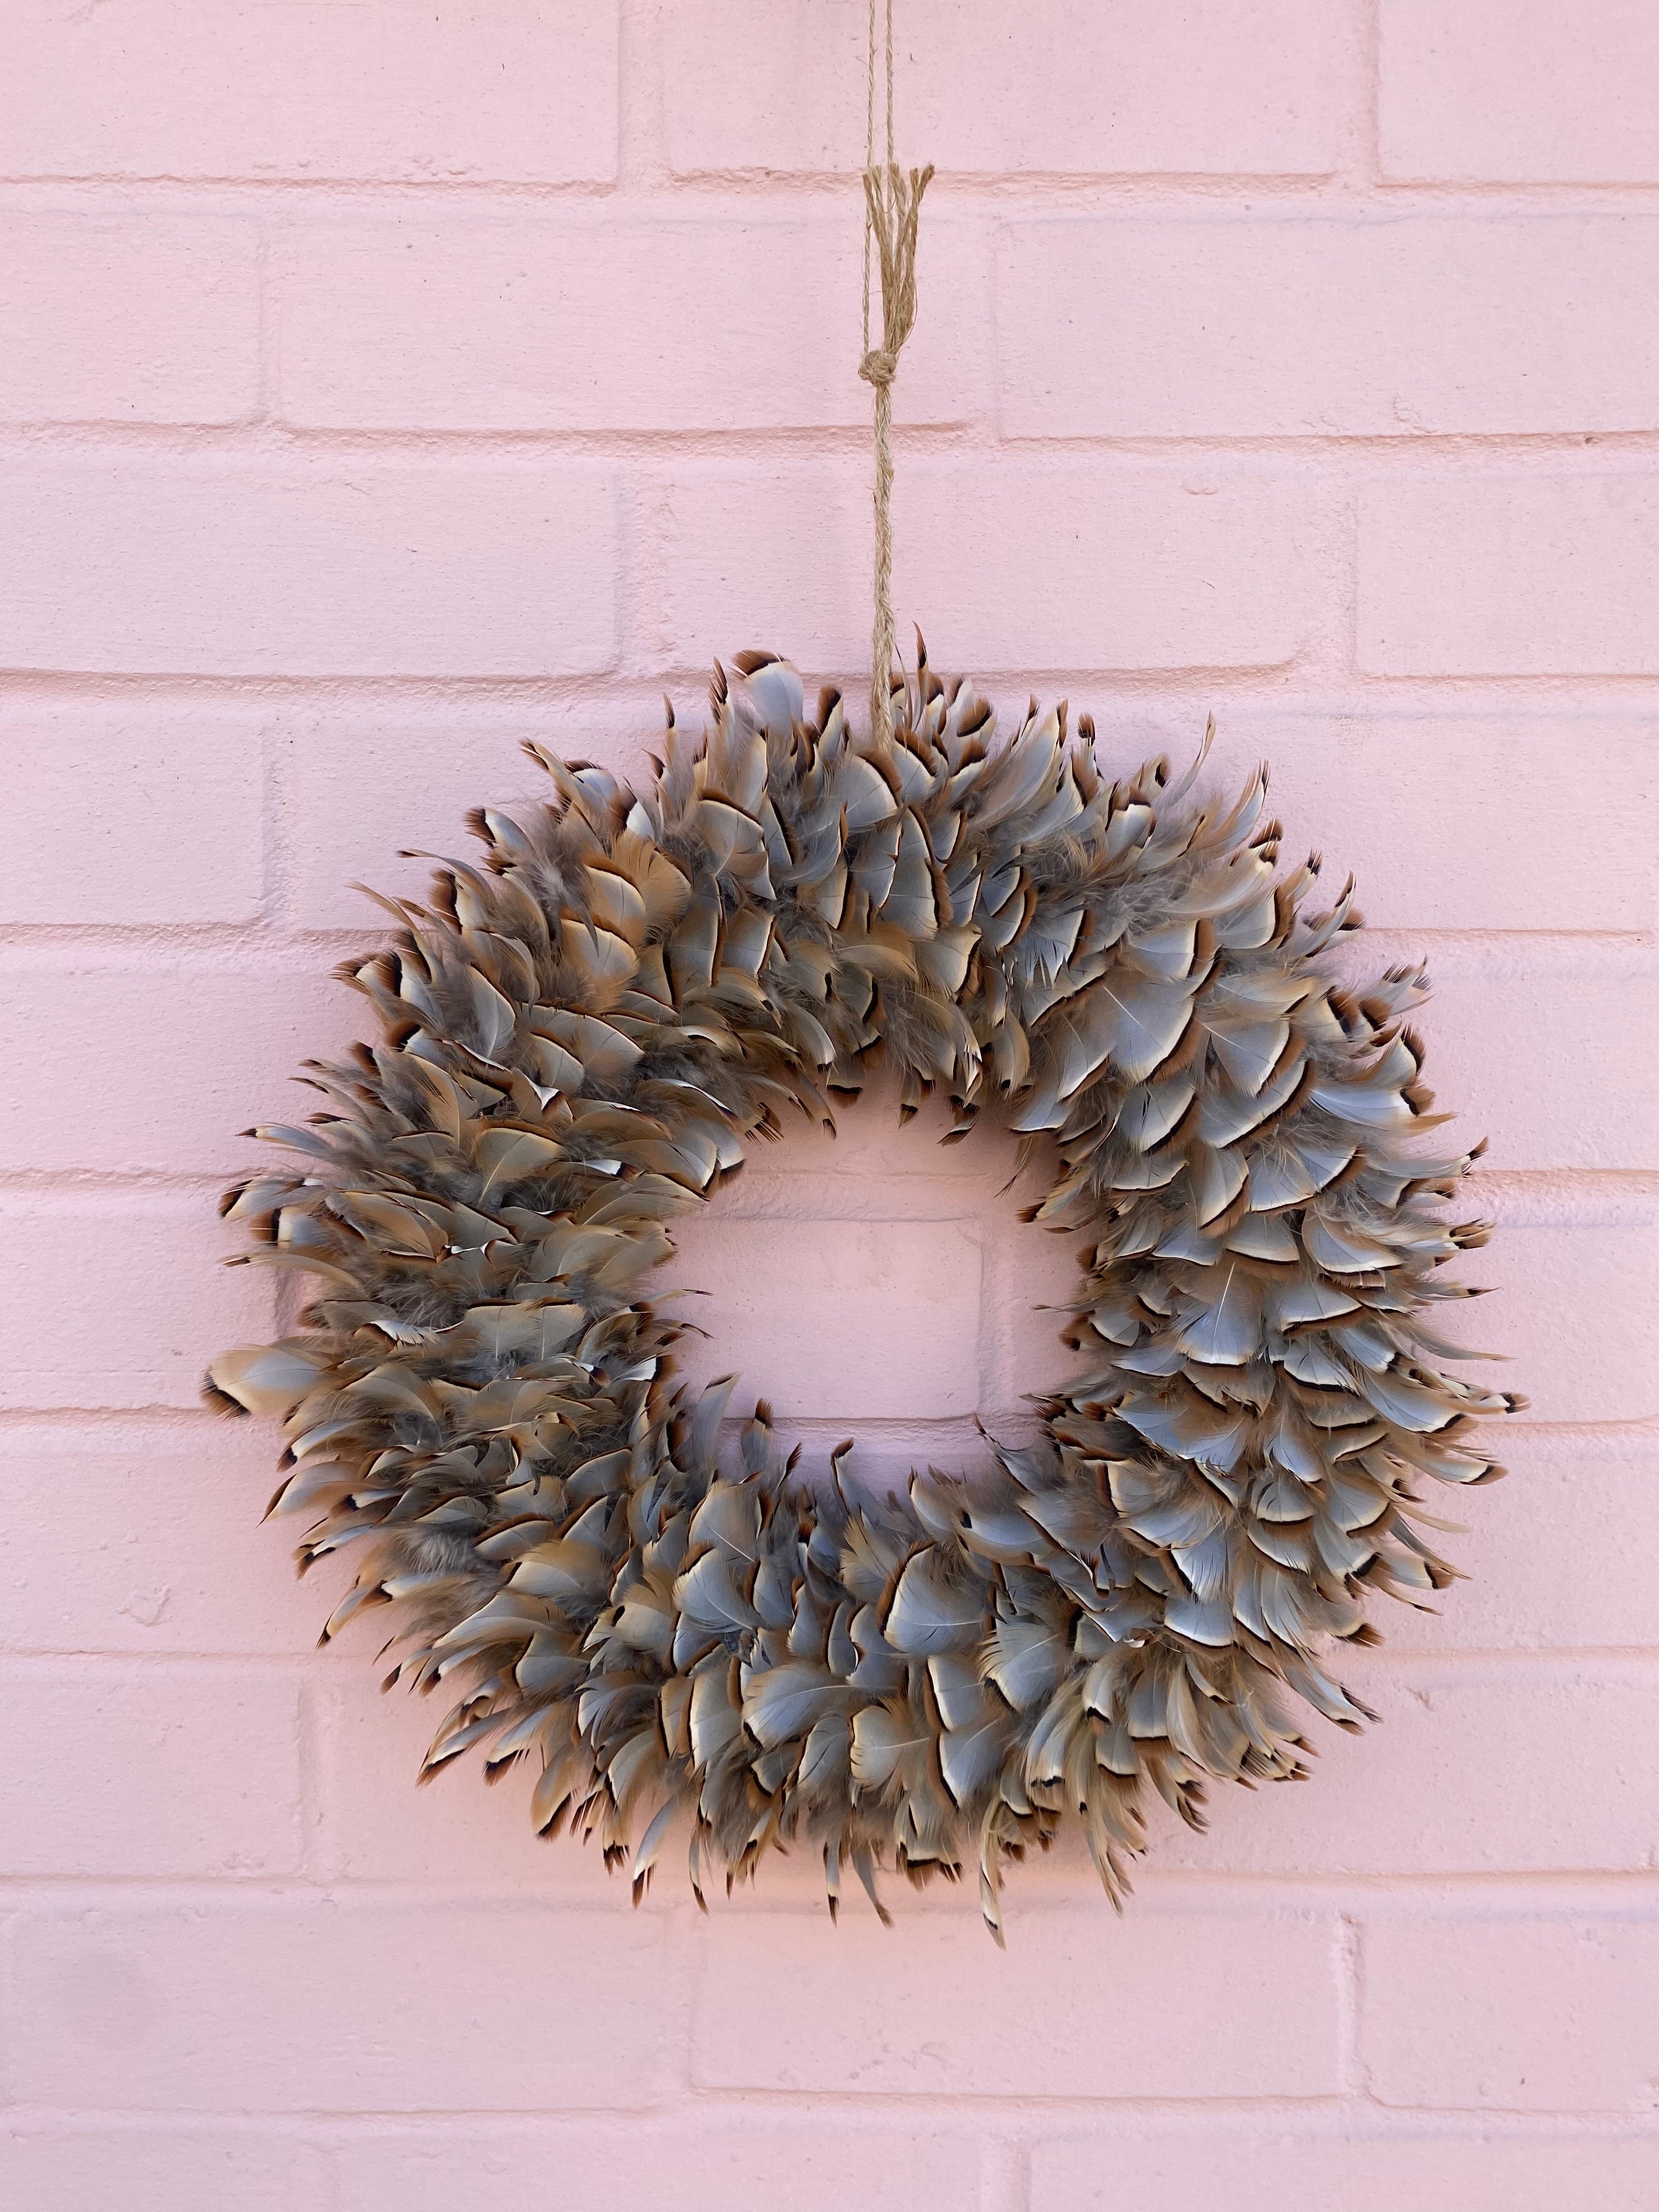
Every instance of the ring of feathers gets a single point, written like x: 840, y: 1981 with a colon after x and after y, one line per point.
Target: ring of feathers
x: 580, y: 1039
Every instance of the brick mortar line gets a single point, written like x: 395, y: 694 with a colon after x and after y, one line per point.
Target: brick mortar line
x: 1295, y: 693
x: 1511, y: 1185
x: 1005, y: 2173
x: 1632, y: 695
x: 1415, y: 2122
x: 259, y: 437
x: 268, y: 945
x: 161, y: 1419
x: 1617, y: 1893
x: 319, y: 2125
x: 1618, y: 1661
x: 986, y: 193
x: 1611, y: 1660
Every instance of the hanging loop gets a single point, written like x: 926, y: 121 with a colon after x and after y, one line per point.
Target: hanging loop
x: 892, y: 205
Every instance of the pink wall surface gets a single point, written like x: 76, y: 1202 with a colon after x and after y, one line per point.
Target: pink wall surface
x: 384, y: 383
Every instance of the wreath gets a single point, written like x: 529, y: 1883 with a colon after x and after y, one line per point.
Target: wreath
x: 581, y: 1037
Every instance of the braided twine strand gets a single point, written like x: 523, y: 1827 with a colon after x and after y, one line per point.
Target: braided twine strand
x: 892, y: 206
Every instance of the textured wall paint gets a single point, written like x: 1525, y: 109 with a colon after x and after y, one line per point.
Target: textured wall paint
x: 384, y: 383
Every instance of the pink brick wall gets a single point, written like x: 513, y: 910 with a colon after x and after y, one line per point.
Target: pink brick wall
x: 382, y: 384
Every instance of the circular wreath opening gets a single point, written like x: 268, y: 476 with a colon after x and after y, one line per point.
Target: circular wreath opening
x: 581, y: 1037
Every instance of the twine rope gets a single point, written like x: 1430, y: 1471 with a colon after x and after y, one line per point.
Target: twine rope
x: 892, y: 205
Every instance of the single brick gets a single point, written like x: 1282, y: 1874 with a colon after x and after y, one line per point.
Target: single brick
x: 1505, y: 573
x: 1259, y: 89
x: 1020, y: 565
x: 1149, y: 2004
x: 129, y: 318
x: 142, y: 2168
x: 1215, y: 327
x: 425, y: 90
x: 316, y: 566
x: 117, y: 1299
x: 1487, y: 90
x: 130, y: 813
x: 343, y: 2005
x: 151, y: 1546
x: 772, y: 554
x: 363, y: 787
x: 169, y: 1769
x: 1448, y: 819
x: 1453, y: 1780
x: 1032, y: 1276
x: 1551, y: 2012
x: 697, y: 2161
x: 857, y: 1319
x: 1534, y: 1054
x: 877, y: 1159
x: 454, y: 1833
x: 1577, y: 1311
x: 1269, y: 2167
x: 1596, y: 1582
x: 582, y: 322
x: 204, y: 1054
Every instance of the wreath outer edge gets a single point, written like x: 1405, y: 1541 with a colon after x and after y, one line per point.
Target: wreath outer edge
x: 579, y: 1038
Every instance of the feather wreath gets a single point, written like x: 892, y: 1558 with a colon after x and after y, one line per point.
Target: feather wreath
x: 580, y: 1038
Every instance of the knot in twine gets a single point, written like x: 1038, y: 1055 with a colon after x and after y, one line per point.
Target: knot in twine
x: 892, y: 202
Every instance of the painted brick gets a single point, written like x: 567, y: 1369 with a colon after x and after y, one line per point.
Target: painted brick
x: 1431, y: 810
x: 152, y: 1548
x: 808, y: 1179
x: 1487, y: 90
x: 202, y: 1053
x: 859, y: 1319
x: 707, y: 2162
x: 1527, y: 1043
x: 1533, y: 1053
x: 172, y: 1769
x: 1565, y: 1554
x: 130, y: 814
x: 203, y: 1049
x: 665, y: 322
x: 1256, y: 88
x: 1573, y: 1315
x: 378, y: 2007
x: 906, y: 2012
x: 118, y: 1300
x: 1329, y: 325
x: 129, y: 318
x: 319, y: 566
x: 878, y: 1160
x: 880, y: 1198
x: 1508, y: 575
x: 1477, y: 1767
x: 453, y: 1831
x: 1551, y: 2013
x: 1025, y: 567
x: 1032, y: 1275
x: 246, y: 666
x: 148, y: 2169
x: 1083, y: 565
x: 775, y: 552
x: 426, y: 90
x: 363, y: 788
x: 1267, y: 2165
